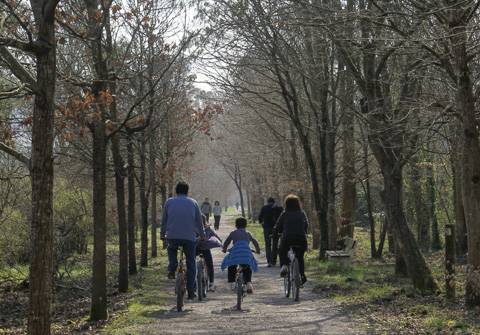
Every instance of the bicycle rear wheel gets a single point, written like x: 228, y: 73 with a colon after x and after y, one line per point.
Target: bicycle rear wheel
x: 239, y: 284
x: 180, y: 290
x: 200, y: 279
x: 296, y: 280
x: 287, y: 285
x: 205, y: 282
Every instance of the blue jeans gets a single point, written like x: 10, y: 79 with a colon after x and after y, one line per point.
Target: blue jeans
x: 189, y: 248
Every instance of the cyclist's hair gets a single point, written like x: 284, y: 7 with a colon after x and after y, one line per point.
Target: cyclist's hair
x: 292, y: 203
x: 181, y: 188
x: 271, y: 200
x: 241, y: 222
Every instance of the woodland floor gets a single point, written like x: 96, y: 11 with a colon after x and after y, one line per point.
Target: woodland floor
x: 364, y: 299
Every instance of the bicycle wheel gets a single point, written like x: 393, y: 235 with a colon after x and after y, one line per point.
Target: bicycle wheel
x: 296, y: 280
x: 205, y: 282
x: 180, y: 290
x: 287, y: 284
x: 239, y: 284
x: 200, y: 280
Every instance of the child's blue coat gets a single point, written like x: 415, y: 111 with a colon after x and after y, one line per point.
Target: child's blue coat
x: 240, y: 254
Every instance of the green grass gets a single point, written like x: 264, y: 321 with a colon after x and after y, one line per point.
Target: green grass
x: 370, y: 289
x: 148, y: 299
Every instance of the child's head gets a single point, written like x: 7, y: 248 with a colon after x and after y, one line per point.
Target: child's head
x: 240, y: 223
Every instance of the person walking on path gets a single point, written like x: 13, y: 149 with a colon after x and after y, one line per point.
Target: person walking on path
x: 268, y: 217
x: 217, y: 213
x: 181, y: 224
x: 206, y: 209
x: 293, y: 225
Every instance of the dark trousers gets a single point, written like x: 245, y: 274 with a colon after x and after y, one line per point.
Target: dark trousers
x: 207, y: 216
x: 271, y: 245
x: 247, y: 273
x: 207, y: 256
x: 189, y: 250
x: 301, y: 243
x: 217, y: 221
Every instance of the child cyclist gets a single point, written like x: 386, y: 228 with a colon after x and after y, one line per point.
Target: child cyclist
x: 240, y: 254
x: 212, y: 240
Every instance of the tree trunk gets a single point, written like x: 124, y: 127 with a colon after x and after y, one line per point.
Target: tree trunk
x: 421, y: 209
x: 132, y: 260
x: 249, y: 206
x: 120, y: 192
x: 143, y: 204
x: 153, y: 193
x: 405, y: 243
x: 461, y: 243
x: 321, y: 211
x: 349, y: 193
x: 99, y: 269
x: 471, y: 163
x: 41, y: 170
x: 431, y: 205
x: 99, y: 276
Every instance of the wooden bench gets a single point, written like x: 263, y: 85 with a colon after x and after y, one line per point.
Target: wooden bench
x: 343, y: 256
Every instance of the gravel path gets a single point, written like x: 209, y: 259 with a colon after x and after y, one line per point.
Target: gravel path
x: 265, y: 312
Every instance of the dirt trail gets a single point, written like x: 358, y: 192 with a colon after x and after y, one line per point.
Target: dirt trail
x: 265, y: 312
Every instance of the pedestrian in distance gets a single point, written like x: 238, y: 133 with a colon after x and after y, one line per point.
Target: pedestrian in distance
x: 217, y: 214
x: 206, y: 209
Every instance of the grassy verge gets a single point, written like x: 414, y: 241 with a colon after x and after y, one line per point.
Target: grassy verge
x: 146, y: 301
x: 385, y: 303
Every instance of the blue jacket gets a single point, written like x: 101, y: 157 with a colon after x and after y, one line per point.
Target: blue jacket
x: 181, y: 219
x: 240, y: 254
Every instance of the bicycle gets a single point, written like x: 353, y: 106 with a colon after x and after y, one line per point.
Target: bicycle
x: 292, y: 280
x: 240, y: 286
x: 202, y: 278
x: 180, y: 281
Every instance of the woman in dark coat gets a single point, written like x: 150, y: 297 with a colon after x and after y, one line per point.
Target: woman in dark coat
x: 293, y: 225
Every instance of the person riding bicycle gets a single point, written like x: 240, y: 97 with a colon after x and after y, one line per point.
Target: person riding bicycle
x: 293, y: 225
x: 181, y: 224
x: 212, y: 240
x: 240, y: 254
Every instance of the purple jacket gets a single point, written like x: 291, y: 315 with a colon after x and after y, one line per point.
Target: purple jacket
x: 212, y: 240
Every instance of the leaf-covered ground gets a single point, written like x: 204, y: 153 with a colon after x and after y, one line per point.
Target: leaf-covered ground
x: 384, y: 303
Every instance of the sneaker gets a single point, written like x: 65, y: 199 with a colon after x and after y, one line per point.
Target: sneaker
x: 171, y: 275
x: 304, y: 279
x: 191, y: 296
x: 211, y: 287
x: 284, y: 271
x: 269, y: 265
x: 249, y: 288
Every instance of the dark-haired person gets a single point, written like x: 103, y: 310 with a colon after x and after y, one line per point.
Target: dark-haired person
x: 240, y: 253
x: 268, y: 217
x: 206, y: 209
x: 293, y: 225
x: 181, y: 224
x: 217, y: 214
